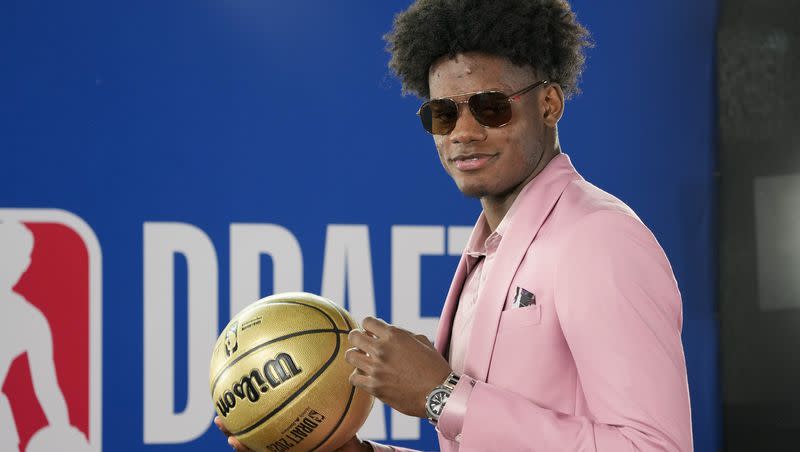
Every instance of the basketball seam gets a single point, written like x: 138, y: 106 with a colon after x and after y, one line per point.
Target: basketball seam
x: 339, y: 310
x: 344, y: 317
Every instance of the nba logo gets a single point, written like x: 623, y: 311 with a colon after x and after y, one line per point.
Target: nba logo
x: 50, y: 316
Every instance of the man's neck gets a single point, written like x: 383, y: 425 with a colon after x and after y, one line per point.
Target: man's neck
x: 495, y: 208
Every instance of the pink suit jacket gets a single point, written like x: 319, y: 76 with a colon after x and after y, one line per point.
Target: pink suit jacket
x: 596, y: 364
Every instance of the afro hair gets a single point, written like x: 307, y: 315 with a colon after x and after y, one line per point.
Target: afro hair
x: 544, y: 34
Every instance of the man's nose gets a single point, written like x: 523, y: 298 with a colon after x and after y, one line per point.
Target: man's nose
x: 467, y: 128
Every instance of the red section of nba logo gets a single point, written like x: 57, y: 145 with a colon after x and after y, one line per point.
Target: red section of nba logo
x: 56, y: 284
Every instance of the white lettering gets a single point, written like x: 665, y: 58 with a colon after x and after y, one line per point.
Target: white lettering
x: 348, y: 261
x: 248, y: 243
x: 161, y: 241
x: 409, y: 244
x: 347, y: 279
x: 457, y: 238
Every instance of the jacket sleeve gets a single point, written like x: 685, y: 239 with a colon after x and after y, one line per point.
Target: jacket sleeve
x: 620, y: 310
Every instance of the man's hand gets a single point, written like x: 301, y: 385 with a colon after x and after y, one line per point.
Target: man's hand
x: 355, y: 445
x: 395, y: 365
x: 232, y: 441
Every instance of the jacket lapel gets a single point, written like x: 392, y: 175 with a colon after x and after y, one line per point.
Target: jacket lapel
x: 534, y: 205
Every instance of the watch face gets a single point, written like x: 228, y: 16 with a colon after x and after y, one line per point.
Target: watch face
x: 437, y: 400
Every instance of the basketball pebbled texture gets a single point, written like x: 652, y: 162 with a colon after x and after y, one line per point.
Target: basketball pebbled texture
x: 278, y: 377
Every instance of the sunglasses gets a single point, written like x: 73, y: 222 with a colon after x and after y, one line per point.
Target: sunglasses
x: 489, y: 108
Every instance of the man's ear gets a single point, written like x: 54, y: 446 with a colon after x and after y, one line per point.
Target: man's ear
x: 552, y: 104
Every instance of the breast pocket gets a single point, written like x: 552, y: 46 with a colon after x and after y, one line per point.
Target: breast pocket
x: 520, y: 317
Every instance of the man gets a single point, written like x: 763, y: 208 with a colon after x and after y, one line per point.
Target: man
x: 561, y: 329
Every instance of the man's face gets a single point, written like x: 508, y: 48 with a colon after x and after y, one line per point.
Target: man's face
x: 488, y: 162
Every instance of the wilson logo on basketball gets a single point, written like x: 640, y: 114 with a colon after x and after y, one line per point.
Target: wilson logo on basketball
x: 258, y: 381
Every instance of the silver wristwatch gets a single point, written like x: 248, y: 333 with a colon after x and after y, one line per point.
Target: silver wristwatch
x: 434, y: 403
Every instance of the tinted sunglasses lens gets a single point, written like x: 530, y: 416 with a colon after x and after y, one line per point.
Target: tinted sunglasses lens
x: 490, y: 109
x: 439, y: 116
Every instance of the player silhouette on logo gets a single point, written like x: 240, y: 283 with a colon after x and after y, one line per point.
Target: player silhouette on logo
x: 27, y: 331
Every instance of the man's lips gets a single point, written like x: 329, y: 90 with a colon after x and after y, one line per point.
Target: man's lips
x: 472, y: 162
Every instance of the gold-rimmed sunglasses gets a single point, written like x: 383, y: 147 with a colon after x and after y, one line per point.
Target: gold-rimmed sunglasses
x: 489, y: 108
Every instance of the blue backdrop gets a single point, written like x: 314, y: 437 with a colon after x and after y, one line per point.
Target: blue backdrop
x: 193, y: 118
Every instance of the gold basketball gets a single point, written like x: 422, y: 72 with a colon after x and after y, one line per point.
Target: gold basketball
x: 279, y: 380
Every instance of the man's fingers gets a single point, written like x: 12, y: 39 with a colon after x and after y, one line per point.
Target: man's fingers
x: 357, y: 358
x: 218, y: 423
x: 233, y: 442
x: 379, y: 328
x: 361, y: 340
x: 359, y: 379
x: 375, y: 326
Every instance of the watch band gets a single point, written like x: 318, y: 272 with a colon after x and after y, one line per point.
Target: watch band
x: 451, y: 381
x: 447, y: 388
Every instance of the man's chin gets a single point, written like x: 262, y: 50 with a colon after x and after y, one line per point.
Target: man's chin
x: 482, y: 191
x: 476, y: 192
